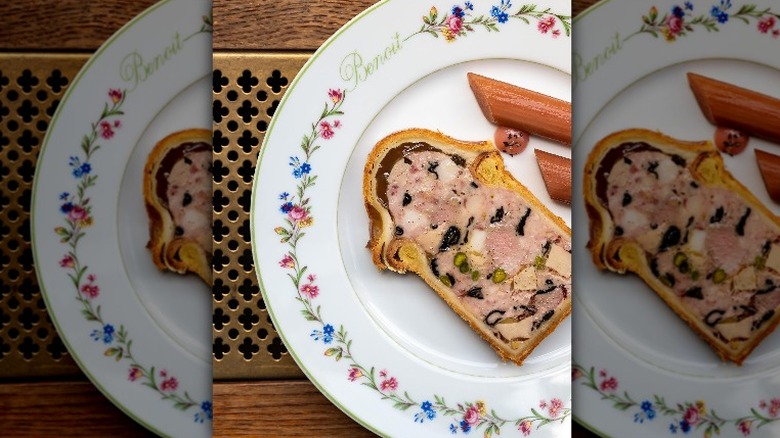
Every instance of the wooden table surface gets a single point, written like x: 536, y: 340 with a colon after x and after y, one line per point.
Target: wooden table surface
x: 47, y: 407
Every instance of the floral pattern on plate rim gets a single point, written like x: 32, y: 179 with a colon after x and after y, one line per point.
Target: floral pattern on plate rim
x: 77, y: 211
x: 685, y: 417
x: 466, y: 416
x: 460, y: 20
x: 680, y: 20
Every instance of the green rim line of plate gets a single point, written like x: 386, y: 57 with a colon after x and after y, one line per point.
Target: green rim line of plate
x: 590, y: 9
x: 71, y: 89
x: 266, y: 141
x: 591, y: 428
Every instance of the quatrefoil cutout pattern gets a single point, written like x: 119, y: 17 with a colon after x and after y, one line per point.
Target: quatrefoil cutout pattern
x: 29, y: 96
x: 244, y: 100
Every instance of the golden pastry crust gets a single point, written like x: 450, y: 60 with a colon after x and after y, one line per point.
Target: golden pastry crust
x: 170, y: 252
x: 620, y: 254
x: 403, y: 255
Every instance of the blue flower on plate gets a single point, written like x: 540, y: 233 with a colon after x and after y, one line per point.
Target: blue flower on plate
x: 205, y: 412
x: 66, y: 207
x: 299, y: 169
x: 458, y: 11
x: 647, y: 409
x: 284, y: 195
x: 470, y: 6
x: 64, y: 196
x: 326, y: 334
x: 465, y: 426
x: 689, y: 6
x: 678, y: 12
x: 286, y: 207
x: 500, y: 15
x: 108, y: 333
x: 427, y: 412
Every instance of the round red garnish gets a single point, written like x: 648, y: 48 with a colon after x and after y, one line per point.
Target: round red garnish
x: 511, y: 141
x: 730, y: 141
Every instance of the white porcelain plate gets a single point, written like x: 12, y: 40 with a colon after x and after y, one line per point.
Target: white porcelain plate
x: 141, y: 335
x: 639, y: 370
x: 384, y: 347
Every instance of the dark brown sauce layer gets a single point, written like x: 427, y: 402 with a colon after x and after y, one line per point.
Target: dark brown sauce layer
x: 388, y: 161
x: 618, y: 153
x: 167, y: 163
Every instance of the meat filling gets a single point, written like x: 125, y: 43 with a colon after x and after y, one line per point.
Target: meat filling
x: 189, y: 196
x: 502, y: 258
x: 704, y: 242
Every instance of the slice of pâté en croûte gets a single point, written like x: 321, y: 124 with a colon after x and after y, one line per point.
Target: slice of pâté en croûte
x: 668, y: 211
x: 450, y: 212
x: 178, y: 198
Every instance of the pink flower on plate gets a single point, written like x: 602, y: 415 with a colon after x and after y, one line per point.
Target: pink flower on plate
x: 674, y: 24
x: 337, y: 123
x: 471, y: 416
x: 105, y: 130
x: 556, y: 33
x: 546, y: 24
x: 310, y: 290
x: 610, y: 384
x: 91, y: 278
x: 744, y: 427
x: 297, y: 213
x: 117, y: 123
x: 555, y: 407
x: 134, y: 374
x: 607, y: 383
x: 525, y: 427
x: 766, y: 24
x: 692, y: 415
x: 67, y: 262
x: 390, y: 384
x: 454, y: 23
x: 77, y: 213
x: 335, y: 95
x: 115, y: 95
x: 576, y: 373
x: 774, y: 407
x: 287, y: 262
x: 354, y: 374
x: 169, y: 384
x: 90, y: 290
x: 326, y: 130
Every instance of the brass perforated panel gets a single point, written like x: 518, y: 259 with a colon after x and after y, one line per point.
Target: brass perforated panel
x: 247, y: 89
x: 31, y: 87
